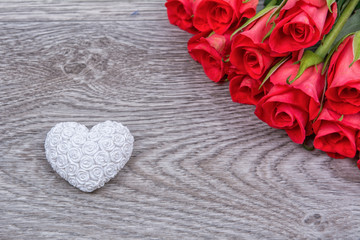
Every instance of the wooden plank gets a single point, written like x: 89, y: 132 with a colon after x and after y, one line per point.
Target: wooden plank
x: 203, y: 167
x: 112, y: 10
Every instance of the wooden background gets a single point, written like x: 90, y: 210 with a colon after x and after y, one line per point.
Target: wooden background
x: 203, y: 167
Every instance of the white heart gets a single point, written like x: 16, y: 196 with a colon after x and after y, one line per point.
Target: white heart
x: 88, y: 159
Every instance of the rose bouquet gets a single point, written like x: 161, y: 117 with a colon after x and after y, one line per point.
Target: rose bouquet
x: 297, y: 61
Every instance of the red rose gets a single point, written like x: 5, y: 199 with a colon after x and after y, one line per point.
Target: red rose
x: 221, y: 15
x: 290, y: 107
x: 358, y: 141
x: 209, y: 51
x: 335, y: 133
x: 249, y: 53
x: 343, y: 93
x: 244, y: 89
x: 301, y: 24
x: 180, y: 13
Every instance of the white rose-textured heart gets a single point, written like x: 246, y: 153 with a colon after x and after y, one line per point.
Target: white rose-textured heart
x: 88, y: 159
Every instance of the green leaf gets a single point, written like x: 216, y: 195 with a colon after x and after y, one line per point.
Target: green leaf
x: 341, y: 4
x: 266, y: 2
x: 212, y: 33
x: 309, y: 59
x: 329, y: 3
x: 322, y: 101
x: 352, y: 25
x: 341, y: 118
x: 273, y: 69
x: 249, y: 21
x: 226, y: 60
x: 277, y: 11
x: 269, y: 32
x: 356, y: 47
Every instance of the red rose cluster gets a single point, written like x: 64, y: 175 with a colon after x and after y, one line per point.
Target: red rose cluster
x: 260, y: 54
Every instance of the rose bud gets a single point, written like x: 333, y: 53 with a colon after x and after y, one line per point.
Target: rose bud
x: 301, y: 24
x: 289, y: 107
x: 210, y: 50
x: 343, y: 93
x: 335, y: 133
x: 222, y: 15
x: 250, y: 53
x: 244, y: 89
x: 180, y: 13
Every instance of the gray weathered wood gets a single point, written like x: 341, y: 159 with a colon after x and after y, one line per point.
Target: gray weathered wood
x: 202, y: 167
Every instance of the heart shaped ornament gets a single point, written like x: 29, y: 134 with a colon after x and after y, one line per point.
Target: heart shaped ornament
x: 88, y: 159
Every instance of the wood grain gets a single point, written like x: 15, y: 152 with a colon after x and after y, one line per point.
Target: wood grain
x: 203, y: 167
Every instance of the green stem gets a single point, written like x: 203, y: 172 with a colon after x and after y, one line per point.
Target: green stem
x: 330, y: 38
